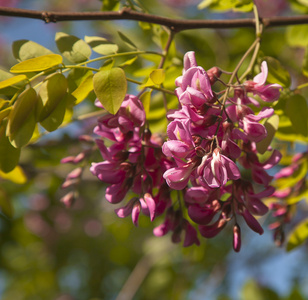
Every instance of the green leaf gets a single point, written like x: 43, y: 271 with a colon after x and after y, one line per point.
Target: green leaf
x: 25, y: 49
x: 6, y: 205
x: 158, y: 76
x: 83, y: 89
x: 271, y: 126
x: 37, y: 64
x: 297, y: 111
x: 73, y: 48
x: 9, y: 155
x: 296, y: 36
x: 52, y: 92
x: 101, y: 45
x: 110, y: 88
x: 146, y: 100
x: 56, y: 117
x: 298, y: 235
x: 127, y: 41
x: 128, y: 62
x: 301, y: 196
x: 12, y: 80
x: 25, y: 104
x: 277, y: 73
x: 17, y: 175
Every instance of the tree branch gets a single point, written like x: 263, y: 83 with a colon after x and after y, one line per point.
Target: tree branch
x: 128, y: 14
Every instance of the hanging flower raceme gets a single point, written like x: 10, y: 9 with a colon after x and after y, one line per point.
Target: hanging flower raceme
x: 212, y: 136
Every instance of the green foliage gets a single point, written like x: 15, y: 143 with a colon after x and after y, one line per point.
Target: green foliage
x: 110, y: 88
x: 37, y: 64
x: 235, y: 5
x: 297, y: 111
x: 72, y: 48
x: 298, y: 235
x: 101, y: 45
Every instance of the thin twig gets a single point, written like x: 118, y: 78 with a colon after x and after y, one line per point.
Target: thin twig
x: 128, y: 14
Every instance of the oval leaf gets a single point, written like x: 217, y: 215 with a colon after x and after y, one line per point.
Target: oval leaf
x: 72, y: 48
x: 17, y: 175
x: 158, y: 76
x: 25, y: 104
x: 298, y: 235
x: 271, y: 126
x: 110, y: 87
x: 5, y: 204
x: 12, y: 80
x: 101, y: 45
x: 127, y: 41
x: 297, y: 111
x: 25, y: 49
x: 83, y: 89
x: 37, y: 64
x: 52, y: 91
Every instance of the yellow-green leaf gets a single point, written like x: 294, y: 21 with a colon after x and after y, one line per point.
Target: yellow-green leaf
x: 110, y: 87
x: 72, y: 48
x: 12, y: 80
x: 158, y: 76
x: 52, y: 92
x: 56, y: 116
x: 127, y: 41
x: 25, y: 49
x: 25, y: 104
x: 17, y: 175
x: 271, y: 126
x: 146, y: 101
x: 83, y: 89
x: 101, y: 45
x: 298, y: 235
x: 37, y: 64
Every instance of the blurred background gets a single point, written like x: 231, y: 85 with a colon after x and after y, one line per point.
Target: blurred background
x: 49, y: 251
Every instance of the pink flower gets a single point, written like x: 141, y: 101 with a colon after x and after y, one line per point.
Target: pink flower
x: 268, y: 93
x: 218, y: 169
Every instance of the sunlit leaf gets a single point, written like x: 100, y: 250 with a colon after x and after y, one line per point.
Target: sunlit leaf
x: 83, y: 89
x: 158, y: 76
x: 73, y: 48
x: 37, y: 64
x: 4, y: 113
x: 12, y: 80
x: 305, y: 63
x: 277, y: 73
x: 101, y: 45
x: 297, y: 111
x: 298, y: 235
x: 301, y: 196
x: 110, y: 5
x: 17, y: 175
x: 271, y: 126
x: 110, y: 88
x: 25, y: 49
x: 128, y: 62
x: 127, y: 41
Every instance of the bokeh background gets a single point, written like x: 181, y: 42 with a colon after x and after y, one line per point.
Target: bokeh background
x: 48, y: 251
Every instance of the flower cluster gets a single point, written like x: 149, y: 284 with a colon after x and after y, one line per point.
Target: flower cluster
x: 207, y: 136
x: 212, y: 138
x: 133, y: 162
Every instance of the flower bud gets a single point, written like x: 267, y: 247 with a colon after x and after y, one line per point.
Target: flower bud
x: 237, y: 238
x: 213, y: 74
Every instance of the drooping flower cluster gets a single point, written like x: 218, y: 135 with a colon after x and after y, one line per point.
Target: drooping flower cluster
x: 207, y: 137
x: 212, y: 137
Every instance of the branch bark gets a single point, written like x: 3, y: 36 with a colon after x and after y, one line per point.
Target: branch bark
x: 128, y: 14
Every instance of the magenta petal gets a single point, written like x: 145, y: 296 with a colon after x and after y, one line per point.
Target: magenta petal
x: 162, y: 229
x: 126, y: 210
x: 150, y: 204
x: 210, y: 231
x: 190, y: 235
x: 256, y: 206
x: 232, y: 169
x: 252, y: 222
x: 255, y: 131
x: 200, y: 215
x: 236, y: 238
x: 260, y: 79
x: 189, y: 60
x: 273, y: 160
x: 135, y: 213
